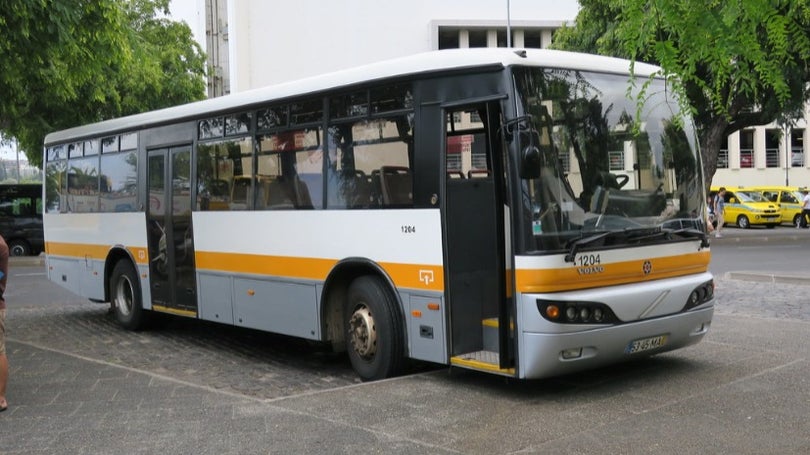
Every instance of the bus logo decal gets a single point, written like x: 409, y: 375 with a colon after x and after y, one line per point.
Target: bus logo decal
x: 647, y: 267
x: 426, y: 276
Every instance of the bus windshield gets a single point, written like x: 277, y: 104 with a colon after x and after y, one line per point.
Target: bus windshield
x: 600, y: 167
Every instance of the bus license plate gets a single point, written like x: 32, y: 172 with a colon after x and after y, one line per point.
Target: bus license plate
x: 645, y: 344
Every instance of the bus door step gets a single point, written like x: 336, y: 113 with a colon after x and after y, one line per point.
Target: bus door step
x: 482, y: 361
x: 490, y: 328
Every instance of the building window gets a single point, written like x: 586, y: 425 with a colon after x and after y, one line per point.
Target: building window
x: 478, y: 38
x: 772, y: 148
x: 746, y: 149
x: 797, y: 148
x: 616, y: 160
x: 448, y: 38
x: 532, y: 39
x: 722, y: 154
x: 565, y: 161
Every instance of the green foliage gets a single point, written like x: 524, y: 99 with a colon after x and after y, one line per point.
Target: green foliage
x: 741, y: 63
x: 64, y: 63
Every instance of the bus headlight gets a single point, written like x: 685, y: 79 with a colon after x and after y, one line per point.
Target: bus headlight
x: 700, y: 295
x: 576, y: 312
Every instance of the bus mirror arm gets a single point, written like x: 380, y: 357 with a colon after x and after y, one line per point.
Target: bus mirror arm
x: 509, y: 127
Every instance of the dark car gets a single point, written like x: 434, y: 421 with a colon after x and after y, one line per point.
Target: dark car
x: 21, y: 218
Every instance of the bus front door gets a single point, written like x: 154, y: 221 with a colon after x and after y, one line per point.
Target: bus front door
x: 474, y: 211
x: 171, y: 249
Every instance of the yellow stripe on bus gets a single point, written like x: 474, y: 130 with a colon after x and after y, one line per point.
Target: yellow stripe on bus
x: 90, y: 251
x: 481, y: 366
x: 175, y: 311
x: 415, y: 276
x: 599, y: 275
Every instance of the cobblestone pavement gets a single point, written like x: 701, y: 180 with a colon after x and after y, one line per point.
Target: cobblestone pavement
x: 225, y: 358
x: 261, y: 365
x: 763, y: 299
x: 270, y: 366
x: 82, y: 385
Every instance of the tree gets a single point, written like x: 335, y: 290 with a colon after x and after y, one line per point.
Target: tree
x: 740, y: 63
x: 64, y: 63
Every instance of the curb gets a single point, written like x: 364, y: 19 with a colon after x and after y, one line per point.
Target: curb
x: 26, y: 261
x: 768, y: 278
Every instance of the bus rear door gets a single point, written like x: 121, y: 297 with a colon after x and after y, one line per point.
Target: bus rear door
x: 169, y: 235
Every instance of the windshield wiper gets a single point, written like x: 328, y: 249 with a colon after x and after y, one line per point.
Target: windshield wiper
x: 582, y: 241
x: 694, y: 233
x: 634, y: 235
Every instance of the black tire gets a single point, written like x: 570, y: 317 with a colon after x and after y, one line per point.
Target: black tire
x: 374, y: 333
x: 797, y: 220
x: 19, y: 247
x: 743, y: 222
x: 125, y: 296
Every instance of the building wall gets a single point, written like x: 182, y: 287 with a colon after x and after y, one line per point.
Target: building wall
x: 276, y: 41
x: 786, y: 171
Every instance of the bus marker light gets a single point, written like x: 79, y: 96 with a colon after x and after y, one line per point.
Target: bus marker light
x: 571, y: 313
x: 433, y: 306
x: 251, y: 292
x: 584, y: 314
x: 568, y: 354
x: 416, y: 313
x: 553, y: 311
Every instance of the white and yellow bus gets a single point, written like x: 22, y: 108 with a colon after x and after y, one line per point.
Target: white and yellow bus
x: 514, y: 212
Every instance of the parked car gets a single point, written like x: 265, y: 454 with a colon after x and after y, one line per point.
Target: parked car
x: 21, y: 218
x: 787, y: 198
x: 748, y: 208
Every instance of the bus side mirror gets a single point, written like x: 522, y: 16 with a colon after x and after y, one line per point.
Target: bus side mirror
x: 530, y: 162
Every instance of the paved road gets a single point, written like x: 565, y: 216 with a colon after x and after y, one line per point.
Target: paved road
x: 81, y: 385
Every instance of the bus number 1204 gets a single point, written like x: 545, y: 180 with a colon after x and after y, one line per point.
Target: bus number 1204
x: 587, y: 260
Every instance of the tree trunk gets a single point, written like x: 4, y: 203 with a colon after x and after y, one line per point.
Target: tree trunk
x: 711, y: 137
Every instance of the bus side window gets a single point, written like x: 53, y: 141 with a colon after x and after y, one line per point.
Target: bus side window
x: 396, y: 185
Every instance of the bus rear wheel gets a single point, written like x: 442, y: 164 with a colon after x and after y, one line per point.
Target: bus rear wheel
x: 125, y: 296
x: 374, y: 337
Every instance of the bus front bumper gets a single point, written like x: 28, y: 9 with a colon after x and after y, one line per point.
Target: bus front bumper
x: 546, y: 355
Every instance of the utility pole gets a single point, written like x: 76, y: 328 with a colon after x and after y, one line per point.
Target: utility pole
x: 508, y: 26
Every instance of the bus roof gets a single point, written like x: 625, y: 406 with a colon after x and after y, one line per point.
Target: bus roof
x: 423, y: 63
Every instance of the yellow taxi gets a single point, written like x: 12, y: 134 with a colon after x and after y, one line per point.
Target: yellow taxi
x: 746, y: 208
x: 787, y: 198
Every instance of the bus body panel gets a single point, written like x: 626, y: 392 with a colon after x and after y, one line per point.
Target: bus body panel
x: 77, y: 247
x: 276, y: 284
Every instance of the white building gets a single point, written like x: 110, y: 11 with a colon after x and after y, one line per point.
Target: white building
x: 252, y: 43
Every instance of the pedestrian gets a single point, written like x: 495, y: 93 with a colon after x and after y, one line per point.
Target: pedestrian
x: 3, y: 358
x: 805, y: 208
x: 712, y: 219
x: 719, y: 209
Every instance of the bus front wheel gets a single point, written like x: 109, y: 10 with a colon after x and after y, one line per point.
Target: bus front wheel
x: 125, y: 296
x: 374, y: 337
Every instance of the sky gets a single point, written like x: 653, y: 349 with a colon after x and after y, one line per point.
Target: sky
x: 8, y: 152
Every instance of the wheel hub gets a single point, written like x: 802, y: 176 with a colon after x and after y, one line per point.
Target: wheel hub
x: 123, y: 296
x: 363, y: 332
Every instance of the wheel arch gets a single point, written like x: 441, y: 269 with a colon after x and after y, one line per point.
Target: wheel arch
x: 335, y: 291
x: 116, y: 253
